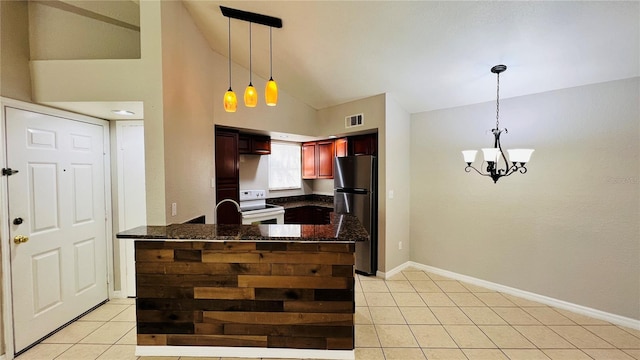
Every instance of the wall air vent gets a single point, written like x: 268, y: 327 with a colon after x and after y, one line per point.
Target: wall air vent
x: 354, y: 120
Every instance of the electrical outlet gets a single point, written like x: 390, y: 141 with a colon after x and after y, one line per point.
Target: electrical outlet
x: 399, y: 245
x: 174, y: 209
x: 391, y: 194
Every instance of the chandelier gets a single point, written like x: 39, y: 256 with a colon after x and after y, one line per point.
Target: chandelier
x: 497, y: 163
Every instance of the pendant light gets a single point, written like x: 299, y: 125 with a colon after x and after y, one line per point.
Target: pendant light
x: 271, y: 90
x: 250, y: 94
x: 230, y: 100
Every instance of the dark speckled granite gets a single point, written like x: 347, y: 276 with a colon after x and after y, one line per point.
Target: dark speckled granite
x: 289, y: 202
x: 343, y: 228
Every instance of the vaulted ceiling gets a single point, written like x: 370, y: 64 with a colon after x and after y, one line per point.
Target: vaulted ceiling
x: 429, y: 54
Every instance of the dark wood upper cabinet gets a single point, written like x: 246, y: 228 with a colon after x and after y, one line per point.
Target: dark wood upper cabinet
x: 309, y: 168
x: 227, y: 175
x: 317, y: 159
x: 341, y: 147
x: 250, y: 144
x: 326, y: 153
x: 363, y: 144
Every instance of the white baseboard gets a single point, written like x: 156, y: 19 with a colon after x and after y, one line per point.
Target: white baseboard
x: 3, y: 357
x: 244, y: 352
x: 561, y: 304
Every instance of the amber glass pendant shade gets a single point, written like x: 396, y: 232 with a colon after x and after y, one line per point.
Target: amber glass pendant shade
x: 250, y: 96
x: 271, y: 93
x: 230, y: 101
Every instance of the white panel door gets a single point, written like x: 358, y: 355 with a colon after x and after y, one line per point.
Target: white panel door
x: 57, y: 200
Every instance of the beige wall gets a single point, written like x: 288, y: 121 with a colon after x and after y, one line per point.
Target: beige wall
x: 57, y: 34
x: 15, y: 78
x: 397, y: 135
x: 188, y: 120
x: 569, y: 228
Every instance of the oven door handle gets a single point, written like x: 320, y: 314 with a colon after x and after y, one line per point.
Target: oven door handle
x: 249, y: 215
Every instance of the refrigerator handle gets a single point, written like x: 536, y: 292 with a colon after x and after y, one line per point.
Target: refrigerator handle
x: 352, y: 191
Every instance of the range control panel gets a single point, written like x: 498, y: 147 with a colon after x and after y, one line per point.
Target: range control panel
x: 252, y: 195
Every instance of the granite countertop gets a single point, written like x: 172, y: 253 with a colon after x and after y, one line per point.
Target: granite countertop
x: 291, y: 202
x: 342, y: 229
x: 301, y: 203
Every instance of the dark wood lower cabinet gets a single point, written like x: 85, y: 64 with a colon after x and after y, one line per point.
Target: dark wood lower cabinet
x: 316, y: 215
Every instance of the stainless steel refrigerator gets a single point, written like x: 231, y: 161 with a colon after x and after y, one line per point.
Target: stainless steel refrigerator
x: 355, y: 192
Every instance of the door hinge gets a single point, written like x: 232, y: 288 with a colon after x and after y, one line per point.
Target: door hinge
x: 8, y: 171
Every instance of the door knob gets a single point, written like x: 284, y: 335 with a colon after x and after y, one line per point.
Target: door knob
x: 19, y: 239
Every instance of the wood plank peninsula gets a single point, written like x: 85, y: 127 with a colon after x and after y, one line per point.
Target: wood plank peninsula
x: 265, y: 291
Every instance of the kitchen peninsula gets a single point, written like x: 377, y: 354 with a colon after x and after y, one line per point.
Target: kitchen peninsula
x: 246, y: 290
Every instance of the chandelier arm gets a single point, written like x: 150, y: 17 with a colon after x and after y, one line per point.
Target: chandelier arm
x: 468, y: 167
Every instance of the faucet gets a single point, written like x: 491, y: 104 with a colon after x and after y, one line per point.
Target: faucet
x: 215, y: 210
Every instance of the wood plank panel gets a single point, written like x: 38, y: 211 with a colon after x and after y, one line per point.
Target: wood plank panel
x: 276, y: 294
x: 211, y: 256
x: 299, y: 282
x: 152, y: 339
x: 323, y: 306
x: 223, y: 293
x: 217, y: 340
x: 271, y: 318
x: 201, y: 268
x: 302, y: 269
x: 155, y: 255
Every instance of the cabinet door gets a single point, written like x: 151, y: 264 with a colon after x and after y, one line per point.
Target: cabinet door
x: 227, y: 176
x: 244, y: 144
x: 363, y: 144
x: 341, y: 147
x: 227, y: 159
x: 227, y: 213
x: 309, y: 167
x: 261, y: 145
x: 325, y: 153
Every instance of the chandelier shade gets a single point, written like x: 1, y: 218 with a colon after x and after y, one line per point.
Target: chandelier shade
x: 495, y: 168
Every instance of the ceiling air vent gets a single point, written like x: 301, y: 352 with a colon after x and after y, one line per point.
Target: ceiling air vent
x: 354, y: 120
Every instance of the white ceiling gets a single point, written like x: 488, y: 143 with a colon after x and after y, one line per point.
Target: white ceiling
x: 429, y: 54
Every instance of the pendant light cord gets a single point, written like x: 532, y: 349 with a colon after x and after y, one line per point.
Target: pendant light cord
x: 229, y: 53
x: 270, y: 55
x: 250, y: 71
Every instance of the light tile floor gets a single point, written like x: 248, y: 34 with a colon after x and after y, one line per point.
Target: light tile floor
x: 414, y: 315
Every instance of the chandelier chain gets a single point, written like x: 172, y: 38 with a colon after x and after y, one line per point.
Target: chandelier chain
x: 498, y: 103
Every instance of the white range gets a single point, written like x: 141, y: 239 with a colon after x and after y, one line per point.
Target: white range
x: 254, y: 208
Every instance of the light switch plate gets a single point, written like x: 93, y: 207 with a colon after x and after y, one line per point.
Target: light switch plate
x: 174, y: 209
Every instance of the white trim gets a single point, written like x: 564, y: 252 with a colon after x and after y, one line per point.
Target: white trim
x: 561, y: 304
x: 396, y: 270
x: 5, y: 249
x: 244, y: 352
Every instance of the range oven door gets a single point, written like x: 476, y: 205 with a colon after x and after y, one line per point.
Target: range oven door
x: 274, y: 216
